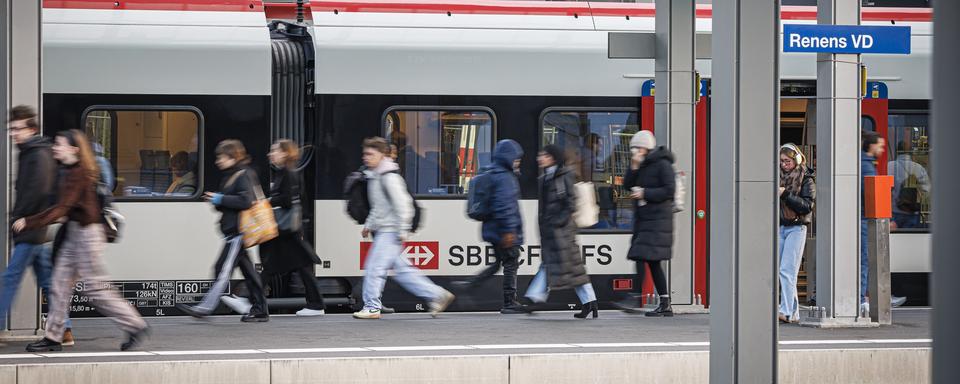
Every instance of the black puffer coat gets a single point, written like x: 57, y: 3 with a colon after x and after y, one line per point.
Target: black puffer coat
x: 36, y: 175
x: 653, y: 216
x: 558, y: 231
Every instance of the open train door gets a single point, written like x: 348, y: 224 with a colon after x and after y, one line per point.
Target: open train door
x: 874, y: 110
x: 699, y: 185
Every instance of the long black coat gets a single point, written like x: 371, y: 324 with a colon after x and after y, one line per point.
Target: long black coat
x: 288, y: 251
x: 558, y: 231
x: 653, y: 221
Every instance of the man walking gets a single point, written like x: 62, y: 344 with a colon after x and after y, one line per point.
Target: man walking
x: 503, y: 226
x: 36, y: 175
x: 390, y: 221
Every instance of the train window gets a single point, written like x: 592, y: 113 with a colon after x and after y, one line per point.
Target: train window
x: 908, y: 138
x: 439, y: 151
x: 153, y: 153
x: 598, y: 148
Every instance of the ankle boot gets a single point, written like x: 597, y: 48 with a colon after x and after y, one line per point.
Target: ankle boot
x: 664, y: 310
x: 586, y: 309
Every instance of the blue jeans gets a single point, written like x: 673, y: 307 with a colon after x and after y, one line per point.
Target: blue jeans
x: 386, y: 254
x: 25, y: 255
x: 906, y: 220
x: 792, y: 240
x: 864, y: 261
x: 538, y: 290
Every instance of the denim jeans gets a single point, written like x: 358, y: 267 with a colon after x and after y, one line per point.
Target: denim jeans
x: 539, y: 292
x: 385, y: 254
x: 864, y: 261
x: 25, y: 255
x: 792, y: 240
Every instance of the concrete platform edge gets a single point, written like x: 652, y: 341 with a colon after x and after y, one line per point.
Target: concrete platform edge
x: 890, y: 365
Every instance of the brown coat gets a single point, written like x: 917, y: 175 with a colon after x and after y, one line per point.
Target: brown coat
x: 76, y: 200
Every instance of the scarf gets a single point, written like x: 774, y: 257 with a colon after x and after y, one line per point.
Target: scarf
x: 792, y: 181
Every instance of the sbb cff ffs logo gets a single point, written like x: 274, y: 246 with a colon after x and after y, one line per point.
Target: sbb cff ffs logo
x: 422, y: 254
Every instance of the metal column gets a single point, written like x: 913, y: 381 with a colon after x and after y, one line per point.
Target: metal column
x: 675, y: 110
x: 838, y: 176
x: 743, y: 224
x: 946, y: 189
x: 20, y: 66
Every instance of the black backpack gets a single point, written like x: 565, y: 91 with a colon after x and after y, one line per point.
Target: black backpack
x: 355, y: 193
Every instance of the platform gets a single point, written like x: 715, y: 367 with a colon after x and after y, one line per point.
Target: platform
x: 474, y: 347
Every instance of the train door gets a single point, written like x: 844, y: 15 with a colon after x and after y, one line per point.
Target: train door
x: 699, y: 184
x: 874, y: 112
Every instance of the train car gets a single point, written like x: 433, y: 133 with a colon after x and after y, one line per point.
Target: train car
x: 158, y: 83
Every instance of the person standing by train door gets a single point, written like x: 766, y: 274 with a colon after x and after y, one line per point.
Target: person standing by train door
x: 502, y: 223
x: 236, y: 195
x: 872, y: 147
x: 390, y: 221
x: 81, y: 253
x: 652, y: 182
x: 34, y: 187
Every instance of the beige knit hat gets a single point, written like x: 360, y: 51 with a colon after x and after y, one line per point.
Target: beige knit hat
x: 643, y: 139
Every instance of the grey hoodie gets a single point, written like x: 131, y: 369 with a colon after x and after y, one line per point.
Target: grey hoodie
x: 393, y: 213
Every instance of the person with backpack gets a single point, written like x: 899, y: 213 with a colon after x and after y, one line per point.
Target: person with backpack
x: 81, y: 252
x: 562, y: 266
x: 237, y: 194
x: 493, y: 198
x: 391, y: 218
x: 652, y: 182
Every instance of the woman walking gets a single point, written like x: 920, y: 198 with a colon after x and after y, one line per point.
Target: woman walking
x: 80, y: 254
x: 652, y: 183
x: 236, y: 195
x: 562, y: 266
x: 287, y: 252
x: 797, y: 194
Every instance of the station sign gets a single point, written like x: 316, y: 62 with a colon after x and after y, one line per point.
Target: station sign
x: 846, y: 38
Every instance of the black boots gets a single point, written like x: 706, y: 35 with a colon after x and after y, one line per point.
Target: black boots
x: 135, y: 339
x: 511, y: 306
x: 586, y: 309
x: 664, y: 310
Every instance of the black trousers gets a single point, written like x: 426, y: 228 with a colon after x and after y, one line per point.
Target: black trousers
x: 314, y: 298
x: 509, y: 259
x: 659, y: 278
x: 250, y: 276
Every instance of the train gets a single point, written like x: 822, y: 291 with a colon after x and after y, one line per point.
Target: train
x: 158, y: 83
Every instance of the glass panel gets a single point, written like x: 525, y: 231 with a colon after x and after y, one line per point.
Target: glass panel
x: 909, y: 148
x: 153, y: 153
x: 598, y: 148
x: 439, y: 151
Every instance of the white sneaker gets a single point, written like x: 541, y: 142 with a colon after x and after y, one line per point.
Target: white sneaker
x: 239, y: 305
x: 310, y: 312
x: 441, y: 303
x: 896, y: 301
x: 367, y: 313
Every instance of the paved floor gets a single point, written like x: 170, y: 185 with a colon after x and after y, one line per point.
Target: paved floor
x: 225, y: 337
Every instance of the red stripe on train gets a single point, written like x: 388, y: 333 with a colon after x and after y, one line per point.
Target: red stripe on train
x: 160, y: 5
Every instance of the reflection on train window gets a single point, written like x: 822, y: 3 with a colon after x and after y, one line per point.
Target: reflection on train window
x: 598, y: 149
x: 153, y: 153
x: 439, y: 151
x: 908, y: 139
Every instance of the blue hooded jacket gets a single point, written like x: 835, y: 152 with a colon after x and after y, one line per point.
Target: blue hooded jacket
x: 506, y: 194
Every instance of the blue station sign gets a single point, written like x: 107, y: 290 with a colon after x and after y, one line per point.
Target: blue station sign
x: 846, y: 38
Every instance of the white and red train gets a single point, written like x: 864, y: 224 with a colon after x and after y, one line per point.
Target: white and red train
x: 159, y: 82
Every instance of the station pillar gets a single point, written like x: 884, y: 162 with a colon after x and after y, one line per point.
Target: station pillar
x: 743, y: 191
x: 675, y: 111
x: 946, y: 189
x: 838, y: 202
x: 20, y: 25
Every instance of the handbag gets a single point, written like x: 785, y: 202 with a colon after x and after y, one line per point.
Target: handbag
x: 257, y: 223
x: 587, y: 212
x: 289, y: 220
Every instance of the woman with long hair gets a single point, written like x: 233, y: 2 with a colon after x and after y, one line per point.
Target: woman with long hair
x: 80, y: 254
x: 797, y: 195
x: 287, y: 252
x: 236, y: 195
